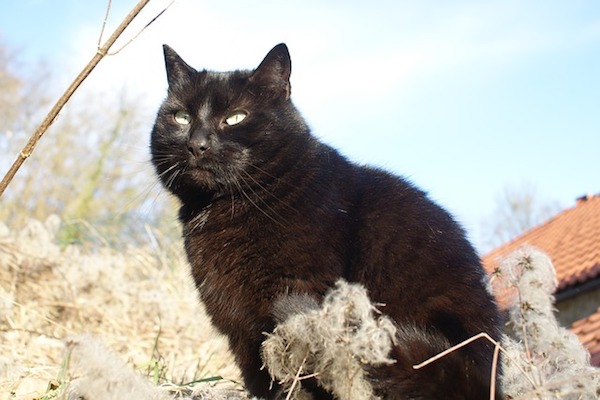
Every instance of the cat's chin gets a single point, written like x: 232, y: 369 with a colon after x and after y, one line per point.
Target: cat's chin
x: 204, y: 180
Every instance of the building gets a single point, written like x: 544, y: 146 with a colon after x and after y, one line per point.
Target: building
x: 572, y: 240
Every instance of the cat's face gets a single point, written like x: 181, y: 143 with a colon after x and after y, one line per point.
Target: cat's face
x: 214, y: 127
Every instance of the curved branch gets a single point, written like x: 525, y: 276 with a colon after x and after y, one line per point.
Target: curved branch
x: 50, y: 118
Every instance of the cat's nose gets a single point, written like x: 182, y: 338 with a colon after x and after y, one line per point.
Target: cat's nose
x: 198, y: 148
x: 198, y: 145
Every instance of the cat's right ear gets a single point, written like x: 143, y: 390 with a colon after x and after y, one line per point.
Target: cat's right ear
x: 177, y: 70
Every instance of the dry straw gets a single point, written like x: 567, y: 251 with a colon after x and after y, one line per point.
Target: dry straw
x: 101, y: 52
x: 333, y: 343
x: 143, y: 308
x: 141, y: 304
x: 543, y: 360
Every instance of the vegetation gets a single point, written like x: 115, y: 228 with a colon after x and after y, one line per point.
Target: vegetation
x: 542, y: 359
x: 92, y: 168
x: 137, y: 301
x: 518, y: 209
x: 64, y: 307
x: 106, y: 282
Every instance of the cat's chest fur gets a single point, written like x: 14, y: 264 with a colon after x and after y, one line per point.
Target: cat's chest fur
x: 243, y: 259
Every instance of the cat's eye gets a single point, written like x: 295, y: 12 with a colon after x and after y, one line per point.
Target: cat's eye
x: 235, y: 117
x: 182, y: 117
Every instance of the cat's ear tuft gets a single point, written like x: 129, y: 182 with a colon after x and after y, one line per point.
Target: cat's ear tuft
x: 178, y: 71
x: 274, y: 71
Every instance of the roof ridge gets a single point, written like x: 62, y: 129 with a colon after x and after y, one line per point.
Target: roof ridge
x: 570, y: 239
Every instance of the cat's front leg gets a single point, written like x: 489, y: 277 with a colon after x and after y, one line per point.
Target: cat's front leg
x: 256, y: 378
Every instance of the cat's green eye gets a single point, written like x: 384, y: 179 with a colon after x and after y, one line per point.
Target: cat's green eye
x: 182, y: 117
x: 235, y: 117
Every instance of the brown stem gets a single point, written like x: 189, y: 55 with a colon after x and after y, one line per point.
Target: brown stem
x: 100, y: 54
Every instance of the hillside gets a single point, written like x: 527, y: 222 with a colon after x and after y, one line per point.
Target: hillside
x: 92, y: 322
x: 140, y: 303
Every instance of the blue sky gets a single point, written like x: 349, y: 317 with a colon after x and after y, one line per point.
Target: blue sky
x: 463, y: 97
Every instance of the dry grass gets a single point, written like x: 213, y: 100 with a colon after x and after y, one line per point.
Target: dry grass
x: 139, y: 302
x: 102, y: 324
x: 542, y: 359
x: 335, y: 343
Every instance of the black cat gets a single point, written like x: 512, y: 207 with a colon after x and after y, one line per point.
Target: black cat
x: 268, y: 210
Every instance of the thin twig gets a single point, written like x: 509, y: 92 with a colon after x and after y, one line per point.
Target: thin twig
x: 42, y: 316
x: 296, y: 379
x: 51, y: 117
x: 494, y: 370
x: 497, y: 349
x: 537, y: 379
x: 109, y: 3
x: 142, y: 30
x: 454, y: 348
x: 444, y: 353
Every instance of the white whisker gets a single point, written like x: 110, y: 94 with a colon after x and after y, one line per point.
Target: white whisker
x: 254, y: 203
x: 270, y: 193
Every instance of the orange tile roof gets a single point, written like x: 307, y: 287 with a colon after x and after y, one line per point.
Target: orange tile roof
x: 588, y: 330
x: 571, y: 239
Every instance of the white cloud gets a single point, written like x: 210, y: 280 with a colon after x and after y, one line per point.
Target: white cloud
x: 350, y: 58
x: 336, y: 51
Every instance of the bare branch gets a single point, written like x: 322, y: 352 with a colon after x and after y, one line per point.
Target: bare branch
x: 109, y: 3
x: 142, y: 30
x: 51, y: 117
x: 482, y: 335
x: 296, y: 379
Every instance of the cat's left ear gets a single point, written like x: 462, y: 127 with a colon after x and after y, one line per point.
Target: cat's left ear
x: 274, y: 71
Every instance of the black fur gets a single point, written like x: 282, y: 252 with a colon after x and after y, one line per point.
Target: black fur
x: 269, y: 210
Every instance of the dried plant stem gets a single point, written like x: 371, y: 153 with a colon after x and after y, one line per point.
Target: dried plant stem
x: 497, y: 349
x: 108, y: 5
x: 51, y: 117
x: 296, y: 379
x: 42, y: 317
x: 143, y: 29
x: 494, y: 370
